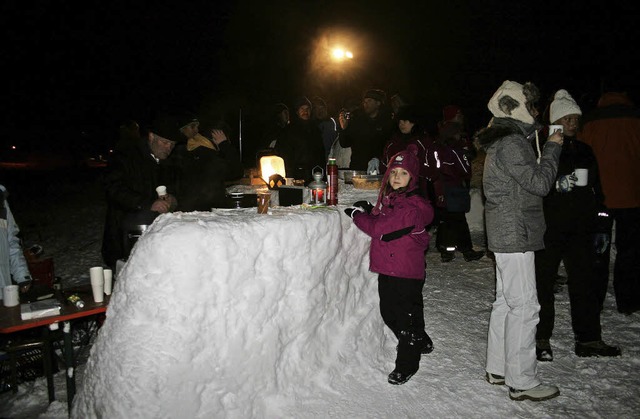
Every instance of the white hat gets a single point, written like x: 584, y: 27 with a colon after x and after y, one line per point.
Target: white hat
x: 563, y: 105
x: 502, y: 107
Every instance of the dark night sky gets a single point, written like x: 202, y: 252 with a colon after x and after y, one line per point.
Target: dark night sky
x: 88, y: 65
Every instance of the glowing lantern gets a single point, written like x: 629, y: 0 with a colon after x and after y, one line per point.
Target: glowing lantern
x: 318, y: 187
x: 272, y: 171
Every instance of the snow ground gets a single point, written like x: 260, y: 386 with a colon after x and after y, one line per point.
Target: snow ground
x: 450, y: 382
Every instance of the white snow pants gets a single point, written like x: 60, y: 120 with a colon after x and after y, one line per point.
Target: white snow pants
x: 511, y: 348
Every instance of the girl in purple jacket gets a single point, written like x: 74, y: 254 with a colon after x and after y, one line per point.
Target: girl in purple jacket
x: 399, y: 239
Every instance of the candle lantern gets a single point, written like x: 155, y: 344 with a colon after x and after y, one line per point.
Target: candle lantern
x: 318, y: 187
x: 273, y: 171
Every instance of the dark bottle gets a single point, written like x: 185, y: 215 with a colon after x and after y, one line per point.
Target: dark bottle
x: 332, y: 181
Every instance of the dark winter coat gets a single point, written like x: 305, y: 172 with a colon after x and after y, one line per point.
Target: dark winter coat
x: 514, y: 184
x: 130, y: 185
x: 366, y: 137
x: 302, y: 149
x: 402, y: 257
x: 575, y: 211
x: 450, y: 171
x: 202, y: 173
x: 399, y: 142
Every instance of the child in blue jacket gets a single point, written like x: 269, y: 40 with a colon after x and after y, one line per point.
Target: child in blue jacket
x: 399, y: 239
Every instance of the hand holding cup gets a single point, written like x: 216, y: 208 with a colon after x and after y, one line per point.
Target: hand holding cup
x: 557, y: 137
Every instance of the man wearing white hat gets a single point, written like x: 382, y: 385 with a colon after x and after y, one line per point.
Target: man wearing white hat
x: 574, y: 213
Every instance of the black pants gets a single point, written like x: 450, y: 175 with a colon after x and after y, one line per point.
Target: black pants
x: 626, y: 272
x: 453, y: 230
x: 402, y: 310
x: 601, y: 271
x: 575, y: 249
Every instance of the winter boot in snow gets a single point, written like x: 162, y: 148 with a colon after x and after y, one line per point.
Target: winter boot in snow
x: 543, y: 350
x: 495, y: 379
x: 596, y: 348
x: 536, y: 394
x: 471, y: 255
x: 447, y: 256
x: 398, y: 377
x: 426, y: 345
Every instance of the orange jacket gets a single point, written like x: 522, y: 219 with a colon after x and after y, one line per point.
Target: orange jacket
x: 613, y: 132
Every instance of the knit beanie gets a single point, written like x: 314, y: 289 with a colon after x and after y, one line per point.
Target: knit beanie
x: 408, y: 160
x: 376, y: 94
x: 408, y: 113
x: 300, y: 102
x: 449, y: 112
x: 563, y: 105
x: 511, y: 99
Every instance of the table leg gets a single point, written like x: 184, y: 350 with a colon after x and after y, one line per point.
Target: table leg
x: 70, y: 364
x: 48, y: 365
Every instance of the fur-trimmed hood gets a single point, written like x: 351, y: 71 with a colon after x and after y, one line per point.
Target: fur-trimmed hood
x: 501, y: 127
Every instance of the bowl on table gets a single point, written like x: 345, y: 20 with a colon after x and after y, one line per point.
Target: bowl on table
x: 367, y: 181
x: 348, y: 174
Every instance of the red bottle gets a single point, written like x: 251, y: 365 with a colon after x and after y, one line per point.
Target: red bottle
x: 332, y: 181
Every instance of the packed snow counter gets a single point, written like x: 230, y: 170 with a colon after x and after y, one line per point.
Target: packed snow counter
x: 231, y: 313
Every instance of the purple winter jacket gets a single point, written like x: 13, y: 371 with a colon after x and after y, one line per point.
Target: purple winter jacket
x: 402, y: 257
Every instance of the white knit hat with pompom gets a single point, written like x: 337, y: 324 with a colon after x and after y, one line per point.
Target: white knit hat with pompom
x: 563, y: 105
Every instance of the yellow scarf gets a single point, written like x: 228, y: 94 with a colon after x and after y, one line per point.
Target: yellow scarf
x: 199, y: 140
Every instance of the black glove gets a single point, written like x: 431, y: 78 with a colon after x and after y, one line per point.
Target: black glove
x: 365, y: 205
x: 352, y: 210
x: 396, y: 234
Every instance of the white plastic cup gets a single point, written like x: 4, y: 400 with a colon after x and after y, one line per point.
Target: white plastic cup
x: 108, y: 281
x: 583, y: 177
x: 10, y: 296
x: 554, y: 128
x: 97, y: 283
x: 161, y: 190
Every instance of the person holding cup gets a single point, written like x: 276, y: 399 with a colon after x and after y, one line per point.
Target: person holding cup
x: 12, y: 261
x: 514, y: 186
x: 132, y: 176
x: 574, y: 212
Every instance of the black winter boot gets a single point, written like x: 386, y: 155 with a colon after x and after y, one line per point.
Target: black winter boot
x: 471, y: 255
x: 398, y: 377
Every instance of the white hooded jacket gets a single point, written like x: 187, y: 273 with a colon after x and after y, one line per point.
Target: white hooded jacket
x: 12, y: 261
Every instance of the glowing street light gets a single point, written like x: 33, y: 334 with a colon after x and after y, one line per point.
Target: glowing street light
x: 340, y: 54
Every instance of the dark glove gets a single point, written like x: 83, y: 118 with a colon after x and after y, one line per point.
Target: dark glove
x: 565, y: 183
x: 352, y: 210
x: 365, y: 205
x: 396, y: 234
x: 601, y: 242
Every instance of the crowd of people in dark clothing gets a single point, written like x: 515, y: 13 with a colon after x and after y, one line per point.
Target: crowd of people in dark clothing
x: 574, y: 227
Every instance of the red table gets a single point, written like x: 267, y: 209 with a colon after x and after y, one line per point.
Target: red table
x: 11, y: 322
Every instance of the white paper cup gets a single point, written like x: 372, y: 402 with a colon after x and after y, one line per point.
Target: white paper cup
x: 97, y: 283
x: 161, y: 190
x: 10, y: 296
x: 583, y: 177
x: 554, y: 128
x: 108, y: 281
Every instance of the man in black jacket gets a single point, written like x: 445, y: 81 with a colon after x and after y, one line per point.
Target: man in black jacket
x: 366, y: 132
x: 133, y: 173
